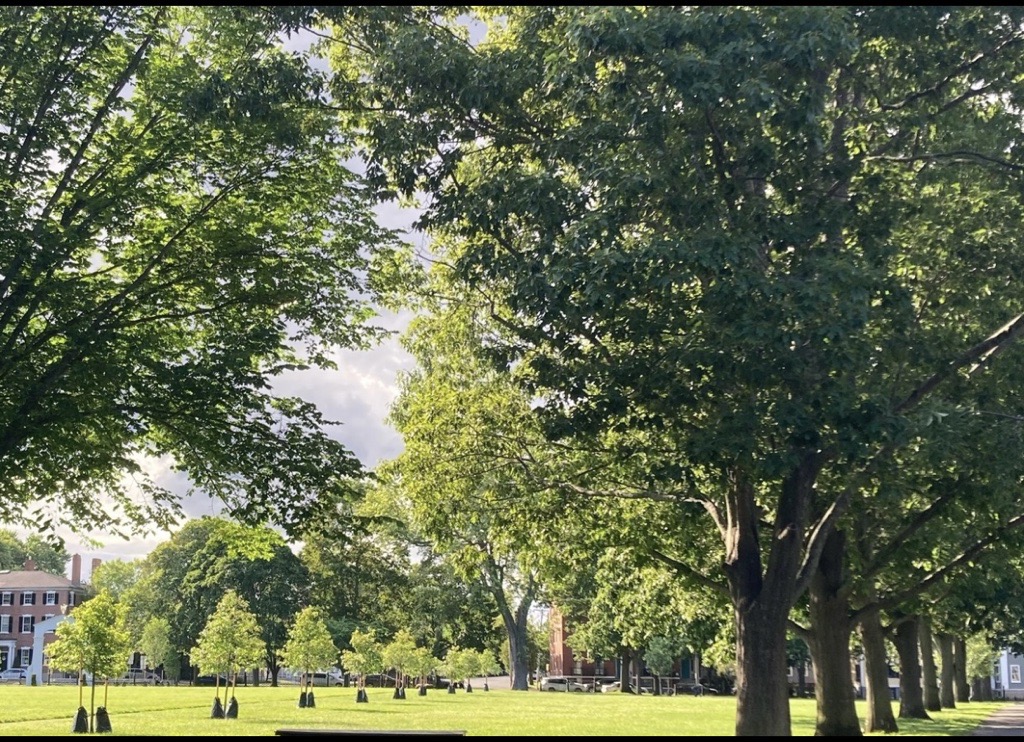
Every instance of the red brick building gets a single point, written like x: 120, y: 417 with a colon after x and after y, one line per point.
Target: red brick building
x: 29, y: 596
x: 562, y: 661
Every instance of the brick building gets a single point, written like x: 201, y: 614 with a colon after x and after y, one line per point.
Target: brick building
x: 28, y: 597
x: 562, y: 661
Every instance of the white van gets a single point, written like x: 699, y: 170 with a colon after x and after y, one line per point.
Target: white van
x: 327, y: 679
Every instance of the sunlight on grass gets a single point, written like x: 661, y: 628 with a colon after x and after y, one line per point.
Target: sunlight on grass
x: 185, y: 711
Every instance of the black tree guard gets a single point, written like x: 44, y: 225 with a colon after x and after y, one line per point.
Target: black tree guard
x: 81, y: 724
x: 103, y: 720
x: 232, y: 712
x: 218, y: 709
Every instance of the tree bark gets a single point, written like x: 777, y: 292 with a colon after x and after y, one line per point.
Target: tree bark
x: 514, y: 620
x: 977, y: 689
x: 946, y: 696
x: 876, y: 674
x: 911, y: 692
x: 625, y: 679
x: 960, y: 684
x: 929, y: 672
x: 519, y: 654
x: 762, y: 703
x: 762, y: 595
x: 829, y: 642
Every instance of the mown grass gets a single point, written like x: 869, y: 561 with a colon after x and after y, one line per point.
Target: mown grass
x: 185, y: 711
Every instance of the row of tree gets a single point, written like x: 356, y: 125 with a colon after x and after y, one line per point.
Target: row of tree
x: 735, y: 287
x: 96, y: 642
x: 362, y: 584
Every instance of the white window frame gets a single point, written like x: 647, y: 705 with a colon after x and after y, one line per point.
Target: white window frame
x: 1014, y: 673
x: 31, y: 624
x: 28, y: 598
x: 25, y: 655
x: 50, y: 598
x: 7, y: 598
x: 5, y: 623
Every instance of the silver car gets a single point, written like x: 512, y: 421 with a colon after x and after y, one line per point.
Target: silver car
x: 565, y: 685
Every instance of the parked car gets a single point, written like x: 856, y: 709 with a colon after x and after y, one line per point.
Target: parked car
x: 565, y: 685
x: 328, y: 679
x: 16, y: 674
x: 611, y: 687
x: 139, y: 677
x: 210, y: 680
x: 445, y: 682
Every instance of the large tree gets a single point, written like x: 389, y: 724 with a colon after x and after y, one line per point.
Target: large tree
x: 179, y: 229
x: 14, y: 551
x: 772, y: 239
x: 184, y: 579
x: 465, y: 478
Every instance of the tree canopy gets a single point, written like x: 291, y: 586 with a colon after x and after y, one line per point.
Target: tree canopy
x: 770, y: 246
x: 47, y: 556
x: 180, y: 228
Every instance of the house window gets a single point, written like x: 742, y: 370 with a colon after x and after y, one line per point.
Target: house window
x: 28, y: 598
x: 26, y: 624
x: 7, y: 598
x: 47, y: 616
x: 71, y: 599
x: 51, y: 598
x: 5, y: 624
x: 26, y: 656
x: 1014, y: 673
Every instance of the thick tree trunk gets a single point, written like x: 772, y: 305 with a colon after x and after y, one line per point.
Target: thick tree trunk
x: 978, y: 689
x: 519, y: 654
x: 960, y: 684
x: 876, y: 671
x: 515, y: 622
x: 829, y: 642
x: 762, y: 697
x: 929, y: 672
x: 946, y: 696
x: 763, y: 593
x: 911, y: 693
x: 625, y: 680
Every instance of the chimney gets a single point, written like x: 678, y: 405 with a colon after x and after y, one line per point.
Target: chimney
x: 76, y: 569
x: 30, y: 565
x: 95, y: 564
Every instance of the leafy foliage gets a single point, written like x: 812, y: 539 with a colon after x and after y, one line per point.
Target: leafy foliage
x: 94, y: 639
x: 156, y: 646
x: 230, y: 641
x: 185, y: 578
x: 180, y: 230
x: 768, y: 246
x: 366, y: 656
x: 14, y: 551
x: 309, y: 647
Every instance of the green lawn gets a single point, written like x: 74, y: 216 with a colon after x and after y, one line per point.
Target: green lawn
x: 138, y: 711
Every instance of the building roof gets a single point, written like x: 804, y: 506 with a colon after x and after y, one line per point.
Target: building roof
x: 20, y: 579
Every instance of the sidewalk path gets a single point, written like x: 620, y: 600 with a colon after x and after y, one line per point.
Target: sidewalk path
x: 1006, y: 722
